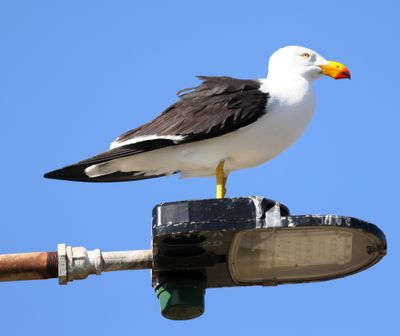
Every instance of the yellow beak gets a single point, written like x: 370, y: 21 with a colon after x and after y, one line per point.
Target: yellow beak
x: 335, y: 70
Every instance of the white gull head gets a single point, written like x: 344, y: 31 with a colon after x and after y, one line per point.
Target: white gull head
x: 299, y: 61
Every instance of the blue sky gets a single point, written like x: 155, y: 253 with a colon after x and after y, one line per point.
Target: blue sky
x: 75, y: 75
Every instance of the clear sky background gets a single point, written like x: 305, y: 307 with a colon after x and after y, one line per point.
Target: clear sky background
x: 74, y: 75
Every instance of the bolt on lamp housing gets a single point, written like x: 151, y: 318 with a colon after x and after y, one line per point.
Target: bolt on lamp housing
x: 253, y: 241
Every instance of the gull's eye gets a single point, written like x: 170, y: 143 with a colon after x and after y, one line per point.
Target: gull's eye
x: 305, y: 55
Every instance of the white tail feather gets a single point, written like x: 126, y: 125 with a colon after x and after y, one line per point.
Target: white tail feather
x: 100, y: 169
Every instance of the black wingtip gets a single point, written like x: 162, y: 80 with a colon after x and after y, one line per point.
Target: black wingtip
x: 55, y: 174
x: 48, y: 175
x: 76, y: 173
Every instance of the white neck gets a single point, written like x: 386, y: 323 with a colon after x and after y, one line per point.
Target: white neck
x: 291, y: 87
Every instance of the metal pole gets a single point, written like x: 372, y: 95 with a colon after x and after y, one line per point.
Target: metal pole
x: 28, y: 266
x: 127, y: 260
x: 70, y: 263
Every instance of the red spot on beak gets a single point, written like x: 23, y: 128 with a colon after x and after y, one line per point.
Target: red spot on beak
x: 344, y: 73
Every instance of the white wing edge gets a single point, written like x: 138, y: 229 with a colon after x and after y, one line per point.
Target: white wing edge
x: 138, y: 139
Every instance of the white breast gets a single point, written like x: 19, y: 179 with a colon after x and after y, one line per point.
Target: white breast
x: 289, y: 111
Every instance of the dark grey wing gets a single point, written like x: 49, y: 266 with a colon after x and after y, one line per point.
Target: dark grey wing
x: 217, y: 106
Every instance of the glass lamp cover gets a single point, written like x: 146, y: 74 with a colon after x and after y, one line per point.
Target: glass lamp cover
x: 265, y: 256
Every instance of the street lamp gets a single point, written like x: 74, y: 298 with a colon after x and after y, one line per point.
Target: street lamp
x: 219, y: 243
x: 250, y: 241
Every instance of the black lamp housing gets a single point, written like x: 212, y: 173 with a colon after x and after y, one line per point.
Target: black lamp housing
x: 254, y: 241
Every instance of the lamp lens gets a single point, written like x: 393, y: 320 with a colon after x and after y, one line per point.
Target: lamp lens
x: 297, y: 254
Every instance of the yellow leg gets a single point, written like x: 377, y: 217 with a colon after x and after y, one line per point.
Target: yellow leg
x: 221, y: 180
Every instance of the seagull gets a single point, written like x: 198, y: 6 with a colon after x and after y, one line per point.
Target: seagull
x: 222, y: 125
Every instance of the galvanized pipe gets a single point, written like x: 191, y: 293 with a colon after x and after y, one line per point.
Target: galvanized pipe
x: 127, y: 260
x: 77, y: 263
x: 28, y: 266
